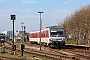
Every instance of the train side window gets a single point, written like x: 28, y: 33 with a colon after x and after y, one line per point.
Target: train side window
x: 36, y: 35
x: 41, y: 34
x: 46, y: 33
x: 32, y: 35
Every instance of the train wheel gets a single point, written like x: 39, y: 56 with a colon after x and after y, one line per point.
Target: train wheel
x: 56, y: 46
x: 31, y: 43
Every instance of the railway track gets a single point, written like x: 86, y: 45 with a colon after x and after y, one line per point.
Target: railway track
x: 57, y: 54
x: 79, y: 53
x: 10, y: 58
x: 72, y: 53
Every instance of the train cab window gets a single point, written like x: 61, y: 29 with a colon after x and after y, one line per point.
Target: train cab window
x: 56, y: 33
x: 60, y: 32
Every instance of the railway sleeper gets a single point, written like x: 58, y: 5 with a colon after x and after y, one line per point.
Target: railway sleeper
x: 70, y: 57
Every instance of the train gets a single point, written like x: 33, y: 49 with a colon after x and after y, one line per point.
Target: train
x: 53, y: 36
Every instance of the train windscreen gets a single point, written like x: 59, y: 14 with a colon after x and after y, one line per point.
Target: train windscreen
x: 57, y: 33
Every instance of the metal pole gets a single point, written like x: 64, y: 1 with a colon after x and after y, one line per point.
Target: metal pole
x: 13, y: 32
x: 13, y: 17
x: 22, y: 52
x: 22, y: 29
x: 40, y: 29
x: 24, y: 34
x: 41, y: 24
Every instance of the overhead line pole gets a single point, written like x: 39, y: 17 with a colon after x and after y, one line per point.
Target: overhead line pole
x: 40, y: 29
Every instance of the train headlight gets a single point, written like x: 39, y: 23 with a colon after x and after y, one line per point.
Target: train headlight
x: 2, y: 39
x: 62, y: 39
x: 51, y: 39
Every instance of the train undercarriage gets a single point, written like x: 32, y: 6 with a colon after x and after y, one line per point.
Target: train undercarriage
x: 57, y: 44
x: 54, y: 44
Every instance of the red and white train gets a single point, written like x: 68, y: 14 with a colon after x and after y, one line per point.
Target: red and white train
x: 53, y: 36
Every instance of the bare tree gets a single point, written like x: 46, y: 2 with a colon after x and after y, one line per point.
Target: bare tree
x: 78, y: 25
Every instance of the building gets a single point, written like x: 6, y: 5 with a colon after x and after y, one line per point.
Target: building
x: 8, y: 33
x: 3, y: 37
x: 18, y: 35
x: 4, y: 32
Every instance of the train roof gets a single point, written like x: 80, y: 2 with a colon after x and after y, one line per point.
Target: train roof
x: 55, y: 27
x: 47, y: 28
x: 39, y: 31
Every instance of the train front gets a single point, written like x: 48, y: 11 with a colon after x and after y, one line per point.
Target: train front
x: 57, y: 36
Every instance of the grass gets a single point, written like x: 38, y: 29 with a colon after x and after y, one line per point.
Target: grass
x: 30, y: 56
x: 26, y: 56
x: 70, y: 41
